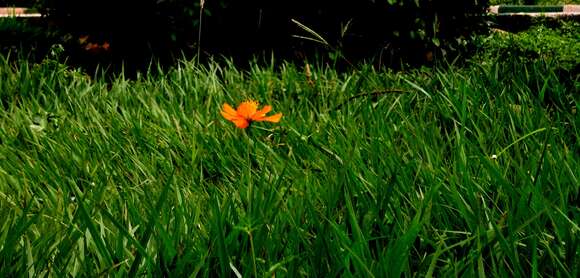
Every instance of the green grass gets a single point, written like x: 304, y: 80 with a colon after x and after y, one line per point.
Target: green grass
x: 446, y: 172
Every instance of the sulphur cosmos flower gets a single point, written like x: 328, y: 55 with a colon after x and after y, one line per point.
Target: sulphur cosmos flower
x: 247, y: 112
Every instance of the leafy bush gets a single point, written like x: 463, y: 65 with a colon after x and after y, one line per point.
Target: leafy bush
x: 559, y: 45
x: 534, y: 52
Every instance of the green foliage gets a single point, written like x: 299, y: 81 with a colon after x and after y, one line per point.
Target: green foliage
x: 447, y: 172
x: 559, y: 46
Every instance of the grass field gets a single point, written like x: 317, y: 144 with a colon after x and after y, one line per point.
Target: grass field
x: 453, y: 171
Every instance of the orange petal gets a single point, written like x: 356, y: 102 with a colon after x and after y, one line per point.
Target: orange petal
x: 241, y: 122
x: 228, y: 112
x: 261, y: 113
x: 274, y: 118
x: 247, y: 108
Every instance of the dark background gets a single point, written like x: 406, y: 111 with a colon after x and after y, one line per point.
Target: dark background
x: 385, y: 32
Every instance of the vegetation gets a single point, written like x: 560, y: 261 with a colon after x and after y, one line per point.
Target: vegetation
x: 468, y: 168
x: 559, y: 46
x: 450, y: 171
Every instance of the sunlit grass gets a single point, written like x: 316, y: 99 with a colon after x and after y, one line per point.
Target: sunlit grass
x: 444, y: 172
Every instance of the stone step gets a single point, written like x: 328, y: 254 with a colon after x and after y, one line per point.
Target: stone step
x: 17, y: 12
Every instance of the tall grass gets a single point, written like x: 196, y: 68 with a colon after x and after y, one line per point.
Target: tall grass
x: 450, y: 172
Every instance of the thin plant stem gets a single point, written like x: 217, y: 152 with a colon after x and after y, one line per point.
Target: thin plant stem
x: 202, y: 3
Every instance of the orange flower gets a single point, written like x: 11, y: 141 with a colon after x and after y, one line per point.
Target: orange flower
x: 247, y: 113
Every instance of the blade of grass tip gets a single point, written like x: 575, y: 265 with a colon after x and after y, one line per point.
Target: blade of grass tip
x: 272, y: 270
x: 151, y: 223
x: 180, y: 214
x: 308, y: 39
x: 417, y: 87
x: 221, y: 239
x: 345, y: 242
x: 86, y: 218
x: 541, y: 160
x: 319, y: 38
x: 543, y: 90
x: 235, y: 270
x: 508, y: 251
x: 166, y: 239
x: 520, y: 139
x: 62, y: 254
x: 356, y: 230
x: 123, y: 231
x: 360, y: 240
x: 480, y: 265
x: 440, y: 250
x: 534, y: 257
x: 399, y: 252
x: 554, y: 255
x: 17, y: 231
x: 201, y: 263
x: 434, y: 259
x: 320, y: 147
x: 29, y: 257
x: 573, y: 225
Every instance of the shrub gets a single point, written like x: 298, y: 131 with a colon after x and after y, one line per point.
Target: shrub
x: 557, y: 45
